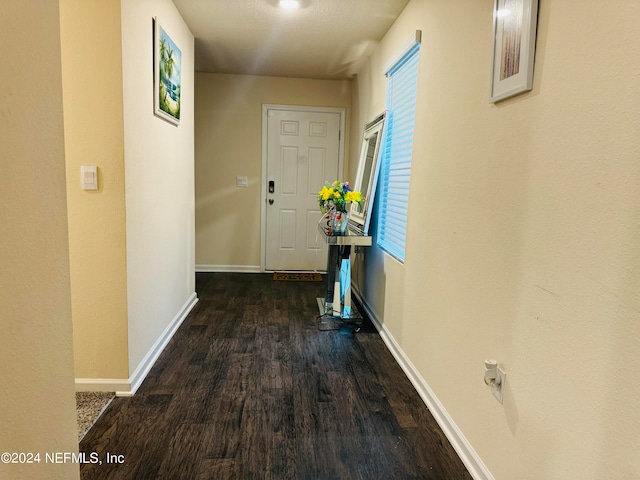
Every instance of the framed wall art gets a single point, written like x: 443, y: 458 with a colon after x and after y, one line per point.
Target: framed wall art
x: 514, y: 44
x: 167, y: 70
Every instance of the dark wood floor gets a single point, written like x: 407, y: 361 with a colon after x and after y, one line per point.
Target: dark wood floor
x: 248, y: 388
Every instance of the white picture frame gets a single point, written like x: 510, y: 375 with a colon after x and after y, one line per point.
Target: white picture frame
x: 367, y: 175
x: 514, y: 44
x: 167, y: 75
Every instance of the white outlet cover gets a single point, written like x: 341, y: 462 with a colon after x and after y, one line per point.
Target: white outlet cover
x: 498, y: 390
x: 242, y: 181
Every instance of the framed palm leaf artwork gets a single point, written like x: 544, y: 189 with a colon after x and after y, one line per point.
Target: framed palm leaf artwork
x: 167, y: 65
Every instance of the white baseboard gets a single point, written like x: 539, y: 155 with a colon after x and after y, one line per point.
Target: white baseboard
x: 102, y: 384
x: 152, y: 355
x: 128, y: 387
x: 229, y: 268
x: 463, y: 448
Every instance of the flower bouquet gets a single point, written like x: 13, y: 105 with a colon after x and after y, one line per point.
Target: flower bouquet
x: 333, y: 199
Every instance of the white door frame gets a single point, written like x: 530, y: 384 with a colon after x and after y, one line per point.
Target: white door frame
x: 263, y: 188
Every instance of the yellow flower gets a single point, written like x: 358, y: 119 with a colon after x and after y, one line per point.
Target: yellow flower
x: 325, y: 193
x: 353, y: 197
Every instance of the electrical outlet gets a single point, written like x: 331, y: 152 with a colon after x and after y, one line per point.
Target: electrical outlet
x: 498, y: 387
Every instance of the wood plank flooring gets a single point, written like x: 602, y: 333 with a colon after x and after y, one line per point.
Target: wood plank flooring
x: 249, y: 388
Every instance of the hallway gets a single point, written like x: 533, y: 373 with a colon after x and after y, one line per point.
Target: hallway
x: 249, y: 388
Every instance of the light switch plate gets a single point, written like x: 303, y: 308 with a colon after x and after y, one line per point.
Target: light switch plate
x: 242, y: 181
x: 89, y: 177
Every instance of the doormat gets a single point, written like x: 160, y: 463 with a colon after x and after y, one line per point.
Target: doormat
x: 298, y: 276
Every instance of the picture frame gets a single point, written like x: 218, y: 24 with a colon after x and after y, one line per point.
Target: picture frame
x: 514, y: 44
x: 167, y: 75
x: 367, y: 175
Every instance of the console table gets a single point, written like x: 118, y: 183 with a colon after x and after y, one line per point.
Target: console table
x: 335, y: 308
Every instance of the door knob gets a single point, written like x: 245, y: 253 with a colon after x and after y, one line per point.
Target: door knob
x: 271, y: 201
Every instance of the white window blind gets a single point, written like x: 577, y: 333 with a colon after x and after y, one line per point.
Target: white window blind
x: 395, y: 170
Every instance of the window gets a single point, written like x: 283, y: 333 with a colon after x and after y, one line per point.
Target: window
x: 395, y: 169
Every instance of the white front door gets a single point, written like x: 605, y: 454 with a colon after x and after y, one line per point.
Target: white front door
x: 303, y: 152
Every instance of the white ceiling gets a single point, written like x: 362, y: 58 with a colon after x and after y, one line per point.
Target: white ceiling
x: 323, y: 39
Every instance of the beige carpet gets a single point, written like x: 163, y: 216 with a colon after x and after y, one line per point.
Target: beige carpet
x: 89, y: 406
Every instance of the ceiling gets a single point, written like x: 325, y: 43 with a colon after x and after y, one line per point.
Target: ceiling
x: 323, y: 39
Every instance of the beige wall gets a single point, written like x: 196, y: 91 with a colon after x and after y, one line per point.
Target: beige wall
x: 159, y: 184
x: 37, y: 395
x: 94, y: 131
x: 131, y: 242
x: 523, y: 236
x: 229, y: 144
